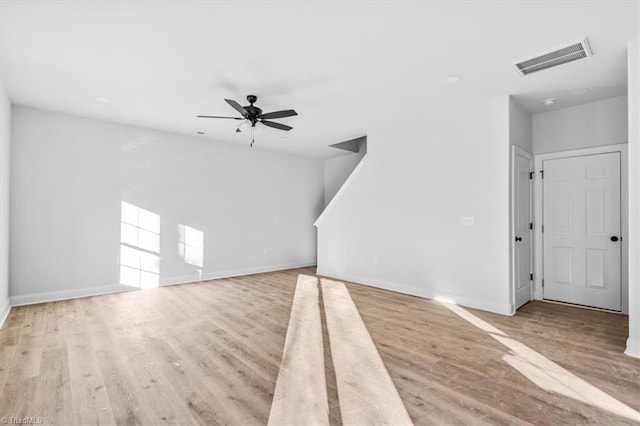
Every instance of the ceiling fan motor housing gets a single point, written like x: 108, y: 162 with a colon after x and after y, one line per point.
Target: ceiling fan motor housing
x: 252, y: 111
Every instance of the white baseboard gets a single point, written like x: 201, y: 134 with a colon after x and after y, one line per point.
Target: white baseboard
x: 484, y: 305
x: 4, y: 314
x: 52, y: 296
x: 229, y: 273
x: 633, y: 348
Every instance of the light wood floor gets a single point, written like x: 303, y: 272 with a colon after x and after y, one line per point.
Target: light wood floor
x: 209, y: 353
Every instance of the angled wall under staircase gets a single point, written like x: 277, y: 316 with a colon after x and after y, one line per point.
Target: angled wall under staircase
x: 338, y: 169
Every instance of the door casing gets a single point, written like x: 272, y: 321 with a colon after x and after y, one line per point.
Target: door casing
x: 538, y: 215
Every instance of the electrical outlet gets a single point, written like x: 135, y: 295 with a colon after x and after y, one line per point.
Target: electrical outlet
x: 375, y: 260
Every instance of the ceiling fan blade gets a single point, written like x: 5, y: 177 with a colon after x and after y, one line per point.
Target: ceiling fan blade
x: 279, y: 114
x: 237, y: 107
x: 217, y: 116
x: 276, y: 125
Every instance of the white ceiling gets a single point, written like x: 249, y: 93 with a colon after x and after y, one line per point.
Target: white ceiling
x: 341, y: 65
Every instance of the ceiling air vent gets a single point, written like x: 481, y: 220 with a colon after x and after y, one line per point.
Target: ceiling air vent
x: 572, y: 52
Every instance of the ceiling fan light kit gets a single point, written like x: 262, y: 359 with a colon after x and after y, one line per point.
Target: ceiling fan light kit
x: 251, y: 115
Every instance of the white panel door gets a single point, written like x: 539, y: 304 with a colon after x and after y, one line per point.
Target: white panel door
x: 521, y: 228
x: 581, y: 236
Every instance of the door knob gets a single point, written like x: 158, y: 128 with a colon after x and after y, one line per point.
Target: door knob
x: 614, y: 238
x: 520, y: 239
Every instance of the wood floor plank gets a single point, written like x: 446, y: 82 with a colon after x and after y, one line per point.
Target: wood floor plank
x: 209, y: 404
x: 472, y: 365
x: 30, y: 344
x: 53, y: 393
x: 8, y: 343
x: 162, y: 404
x: 210, y: 353
x: 335, y: 416
x: 366, y: 392
x: 119, y: 385
x: 89, y: 397
x: 248, y: 395
x: 301, y: 393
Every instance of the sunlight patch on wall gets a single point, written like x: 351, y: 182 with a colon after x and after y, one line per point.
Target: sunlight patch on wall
x: 139, y: 247
x: 191, y: 246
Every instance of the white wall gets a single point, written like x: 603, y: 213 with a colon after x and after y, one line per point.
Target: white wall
x: 520, y: 127
x: 255, y: 207
x: 5, y: 154
x: 337, y: 170
x: 633, y: 342
x: 398, y: 225
x: 583, y: 126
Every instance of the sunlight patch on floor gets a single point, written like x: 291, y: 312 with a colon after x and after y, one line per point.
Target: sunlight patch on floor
x: 545, y: 373
x: 366, y: 391
x: 300, y: 396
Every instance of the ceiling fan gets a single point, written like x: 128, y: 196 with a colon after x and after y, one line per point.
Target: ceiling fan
x: 252, y: 114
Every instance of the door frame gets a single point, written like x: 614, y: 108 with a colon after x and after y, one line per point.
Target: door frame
x: 538, y: 267
x: 517, y: 150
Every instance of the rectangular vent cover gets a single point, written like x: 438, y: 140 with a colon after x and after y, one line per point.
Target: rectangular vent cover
x: 562, y: 55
